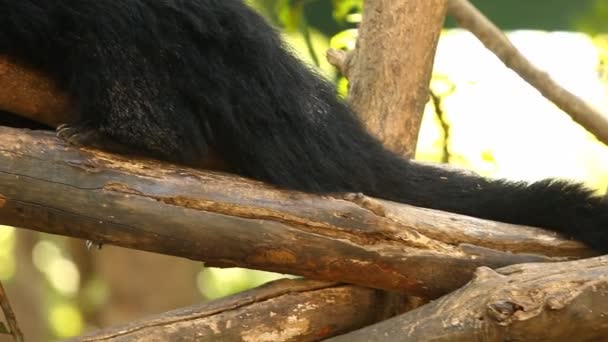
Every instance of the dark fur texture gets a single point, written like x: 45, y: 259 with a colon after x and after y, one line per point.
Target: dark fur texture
x: 12, y: 120
x: 174, y: 79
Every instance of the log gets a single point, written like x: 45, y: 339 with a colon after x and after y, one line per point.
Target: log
x: 566, y: 301
x: 229, y: 221
x: 284, y: 310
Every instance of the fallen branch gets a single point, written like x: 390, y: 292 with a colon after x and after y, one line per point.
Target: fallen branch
x: 468, y: 17
x: 565, y: 301
x: 285, y: 310
x: 229, y: 221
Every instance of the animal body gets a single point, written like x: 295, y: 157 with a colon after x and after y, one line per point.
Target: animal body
x: 178, y: 80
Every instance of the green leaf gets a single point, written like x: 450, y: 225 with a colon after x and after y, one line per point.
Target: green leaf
x: 290, y: 13
x: 344, y: 40
x: 344, y: 10
x: 4, y: 330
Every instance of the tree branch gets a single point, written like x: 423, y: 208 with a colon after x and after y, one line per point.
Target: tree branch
x: 391, y: 68
x: 515, y: 303
x: 229, y: 221
x: 284, y: 310
x: 468, y: 17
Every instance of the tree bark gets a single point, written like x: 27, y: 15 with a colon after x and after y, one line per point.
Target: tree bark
x: 390, y: 69
x: 284, y: 310
x: 565, y: 301
x: 228, y: 221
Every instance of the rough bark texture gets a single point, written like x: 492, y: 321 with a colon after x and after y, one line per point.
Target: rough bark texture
x: 229, y: 221
x: 391, y: 68
x: 565, y: 301
x: 285, y: 310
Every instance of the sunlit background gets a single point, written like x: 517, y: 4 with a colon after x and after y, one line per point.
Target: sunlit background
x: 487, y: 120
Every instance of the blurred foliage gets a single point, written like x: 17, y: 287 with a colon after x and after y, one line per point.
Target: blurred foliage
x: 550, y: 15
x: 61, y: 288
x: 491, y: 121
x: 7, y: 246
x: 220, y: 282
x: 593, y: 19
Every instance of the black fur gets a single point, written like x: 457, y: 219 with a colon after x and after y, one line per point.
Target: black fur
x: 177, y: 78
x: 12, y: 120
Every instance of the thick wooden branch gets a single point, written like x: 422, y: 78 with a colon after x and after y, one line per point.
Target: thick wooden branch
x: 285, y: 310
x: 230, y: 221
x: 565, y: 301
x: 468, y: 17
x: 391, y: 68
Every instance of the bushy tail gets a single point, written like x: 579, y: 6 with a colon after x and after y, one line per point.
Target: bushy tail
x: 567, y: 208
x: 328, y: 150
x: 229, y: 80
x: 336, y: 154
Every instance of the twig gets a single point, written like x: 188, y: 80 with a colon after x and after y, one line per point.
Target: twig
x: 469, y: 17
x: 9, y: 314
x: 340, y: 60
x: 436, y: 99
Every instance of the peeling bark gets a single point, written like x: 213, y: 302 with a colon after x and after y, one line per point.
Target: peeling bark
x: 566, y: 301
x: 285, y: 310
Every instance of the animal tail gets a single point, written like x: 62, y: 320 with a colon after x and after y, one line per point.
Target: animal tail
x: 325, y: 149
x: 570, y: 209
